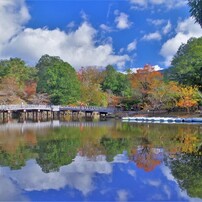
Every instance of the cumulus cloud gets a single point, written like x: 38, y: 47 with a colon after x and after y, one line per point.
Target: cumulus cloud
x: 169, y: 4
x: 132, y: 46
x: 157, y: 68
x: 152, y: 36
x: 184, y: 31
x: 134, y: 70
x: 122, y: 21
x: 167, y: 28
x: 78, y: 47
x: 13, y: 14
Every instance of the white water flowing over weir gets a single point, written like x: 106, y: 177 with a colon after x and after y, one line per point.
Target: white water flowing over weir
x: 162, y: 119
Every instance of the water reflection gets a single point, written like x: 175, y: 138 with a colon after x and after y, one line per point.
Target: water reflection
x: 110, y: 161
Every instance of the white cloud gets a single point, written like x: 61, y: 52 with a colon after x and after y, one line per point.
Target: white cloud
x: 13, y: 14
x: 152, y: 36
x: 169, y: 4
x: 157, y: 2
x: 84, y: 16
x: 122, y: 21
x: 106, y: 28
x: 121, y: 50
x: 134, y: 70
x: 132, y: 46
x: 78, y: 47
x: 184, y: 31
x: 71, y: 25
x: 167, y: 28
x: 142, y: 3
x: 156, y: 22
x: 157, y: 68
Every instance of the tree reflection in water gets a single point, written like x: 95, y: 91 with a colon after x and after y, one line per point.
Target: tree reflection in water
x: 187, y: 169
x: 147, y: 157
x: 147, y: 145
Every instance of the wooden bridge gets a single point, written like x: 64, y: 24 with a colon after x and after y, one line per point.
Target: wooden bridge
x: 50, y: 111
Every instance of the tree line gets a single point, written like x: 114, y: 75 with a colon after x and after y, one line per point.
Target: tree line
x: 53, y: 81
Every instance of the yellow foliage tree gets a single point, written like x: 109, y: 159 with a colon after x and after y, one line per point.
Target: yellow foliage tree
x: 91, y: 92
x: 188, y: 97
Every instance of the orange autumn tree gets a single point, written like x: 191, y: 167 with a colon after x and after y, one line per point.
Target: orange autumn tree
x: 143, y: 82
x: 188, y: 97
x: 146, y: 158
x: 30, y: 88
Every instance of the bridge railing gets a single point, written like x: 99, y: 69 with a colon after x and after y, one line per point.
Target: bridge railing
x: 23, y: 106
x: 55, y: 107
x: 86, y: 108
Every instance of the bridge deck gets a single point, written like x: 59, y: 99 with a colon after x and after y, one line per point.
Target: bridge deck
x: 53, y: 108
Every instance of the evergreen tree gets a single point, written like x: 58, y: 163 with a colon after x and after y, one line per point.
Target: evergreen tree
x: 58, y: 79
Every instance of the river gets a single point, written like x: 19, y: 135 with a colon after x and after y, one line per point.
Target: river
x: 100, y: 161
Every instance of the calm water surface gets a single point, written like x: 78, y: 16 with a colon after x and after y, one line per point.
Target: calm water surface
x: 100, y: 161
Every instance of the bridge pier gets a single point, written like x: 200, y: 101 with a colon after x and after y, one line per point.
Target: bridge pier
x: 103, y: 116
x: 9, y: 114
x: 88, y: 115
x: 5, y: 116
x: 36, y: 114
x: 24, y: 115
x: 47, y: 115
x: 46, y: 112
x: 75, y: 113
x: 62, y: 115
x: 55, y: 114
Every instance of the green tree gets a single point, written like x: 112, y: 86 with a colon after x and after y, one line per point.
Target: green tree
x: 187, y: 64
x: 196, y: 10
x: 17, y: 68
x: 58, y: 79
x: 116, y: 82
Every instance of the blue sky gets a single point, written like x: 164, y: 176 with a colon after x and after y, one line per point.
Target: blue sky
x: 124, y: 33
